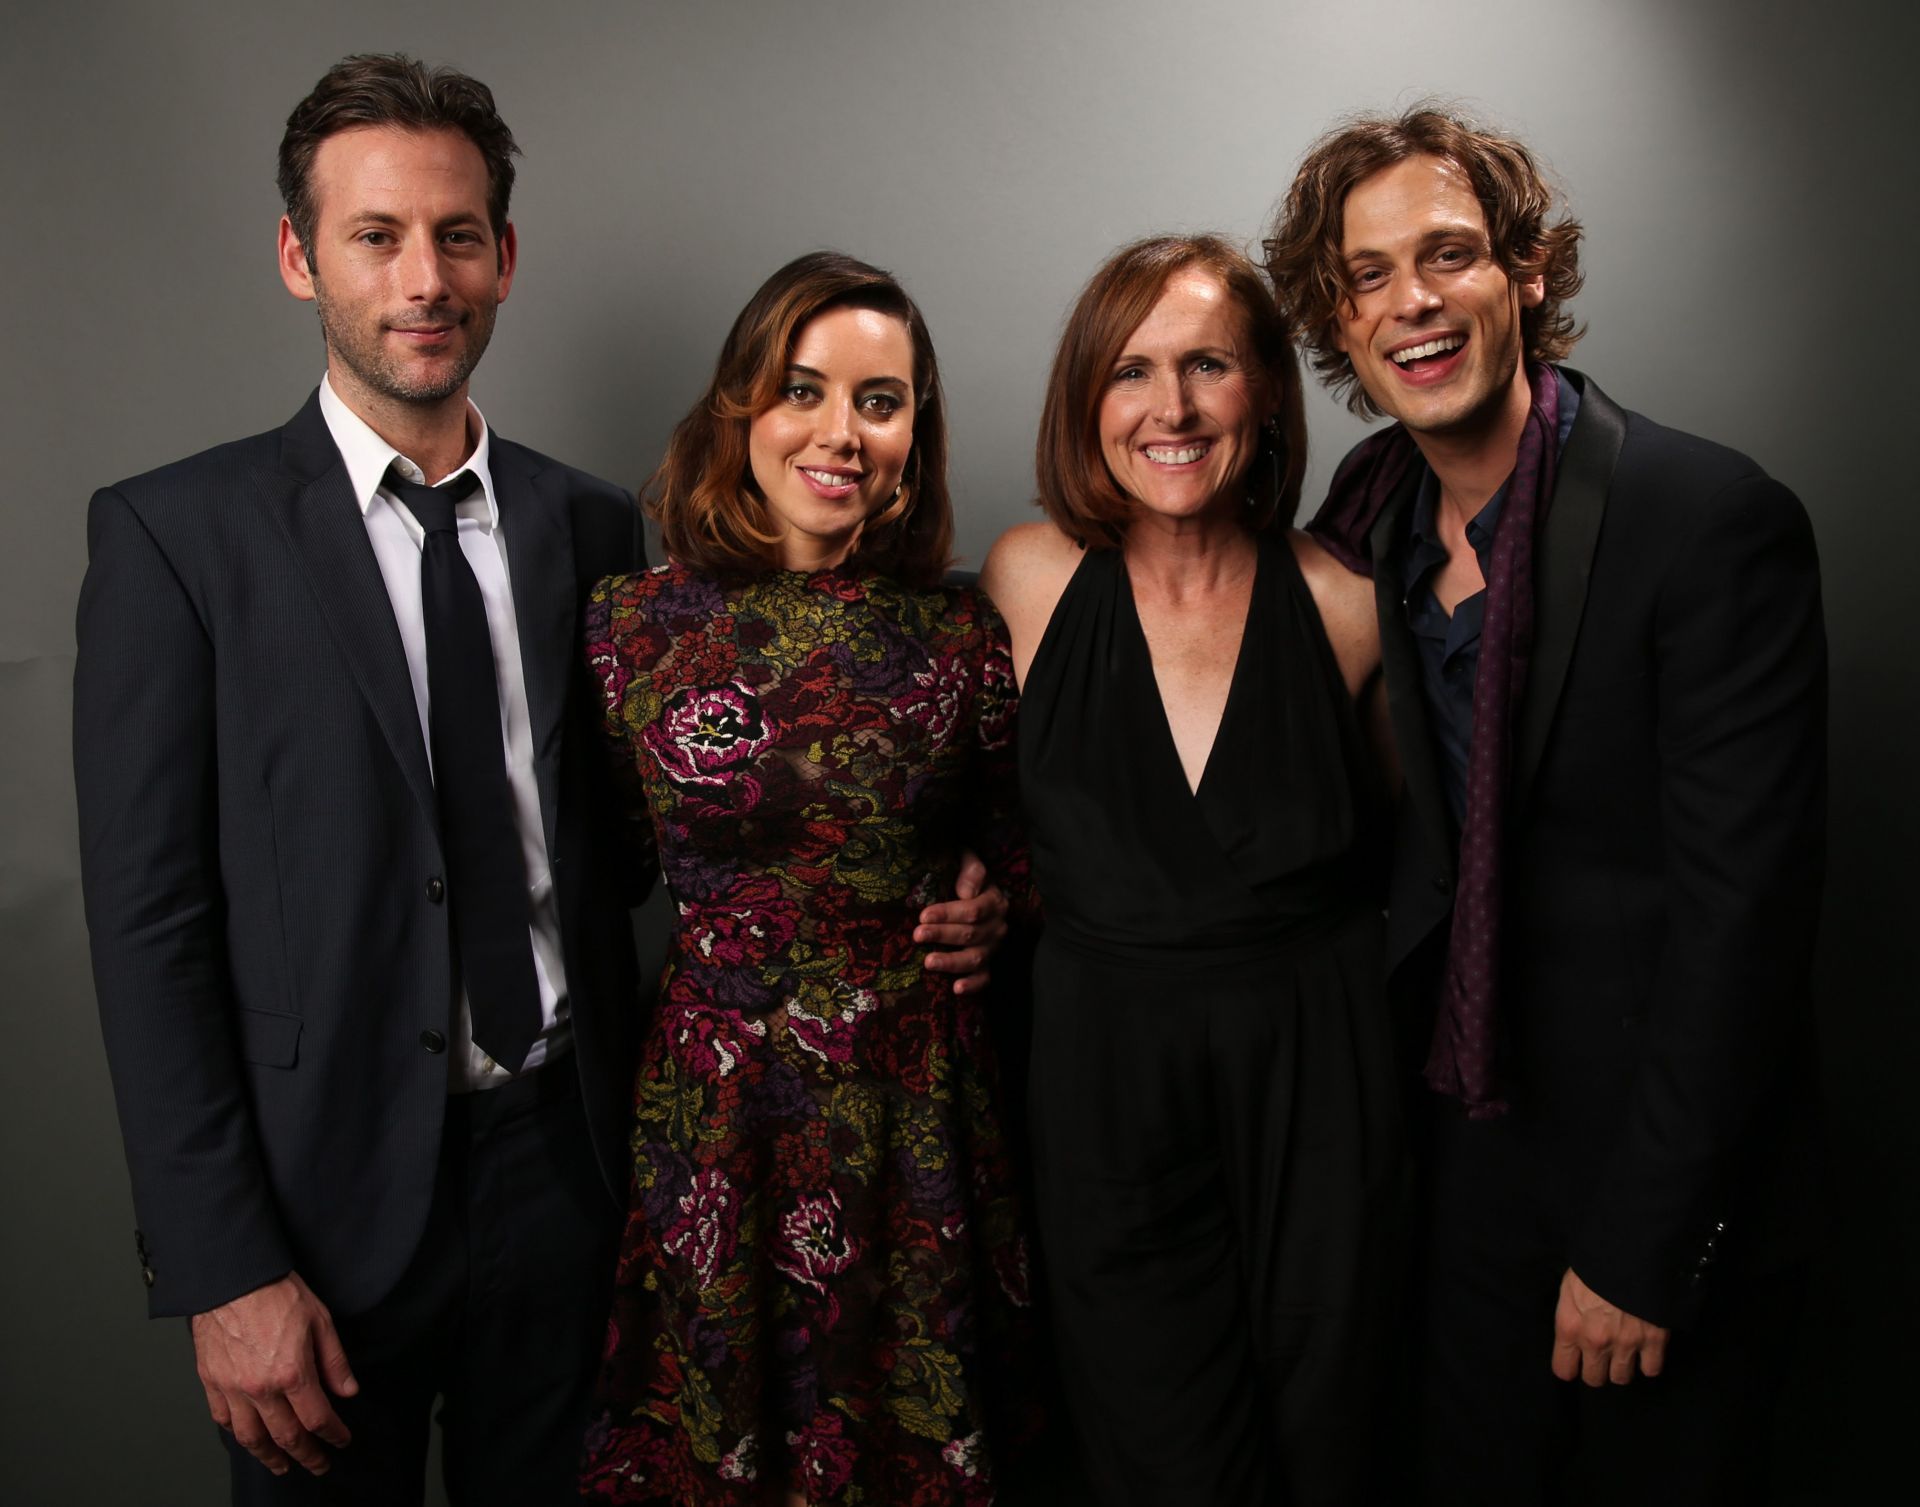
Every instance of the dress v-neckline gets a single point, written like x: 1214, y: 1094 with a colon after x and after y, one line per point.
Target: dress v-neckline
x: 1169, y: 744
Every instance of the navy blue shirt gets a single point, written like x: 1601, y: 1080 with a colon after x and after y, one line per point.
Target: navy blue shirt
x: 1450, y: 646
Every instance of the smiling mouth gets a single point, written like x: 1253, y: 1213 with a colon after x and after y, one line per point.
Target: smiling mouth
x: 831, y: 484
x: 1177, y: 455
x: 1427, y: 355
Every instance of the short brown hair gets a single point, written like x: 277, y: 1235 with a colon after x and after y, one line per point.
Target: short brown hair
x: 1077, y: 490
x: 391, y: 89
x: 1304, y: 252
x: 704, y: 498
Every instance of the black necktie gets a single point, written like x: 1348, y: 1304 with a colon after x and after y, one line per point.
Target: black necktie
x: 486, y: 871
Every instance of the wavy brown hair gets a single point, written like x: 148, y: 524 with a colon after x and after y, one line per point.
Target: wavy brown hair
x: 709, y: 509
x: 392, y: 89
x: 1077, y: 490
x: 1309, y: 272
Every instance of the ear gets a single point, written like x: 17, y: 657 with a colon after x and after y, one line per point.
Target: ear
x: 294, y: 271
x: 1532, y: 292
x: 509, y: 257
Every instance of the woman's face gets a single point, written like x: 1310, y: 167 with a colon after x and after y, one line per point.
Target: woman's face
x: 1180, y: 418
x: 830, y: 451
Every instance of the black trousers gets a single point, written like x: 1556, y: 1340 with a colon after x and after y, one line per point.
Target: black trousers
x: 500, y: 1315
x: 1221, y: 1203
x: 1495, y: 1428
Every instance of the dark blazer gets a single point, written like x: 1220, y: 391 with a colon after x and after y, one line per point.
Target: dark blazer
x: 1666, y: 843
x: 260, y: 857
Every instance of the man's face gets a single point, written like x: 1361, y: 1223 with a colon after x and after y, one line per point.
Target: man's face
x: 406, y: 270
x: 1432, y: 322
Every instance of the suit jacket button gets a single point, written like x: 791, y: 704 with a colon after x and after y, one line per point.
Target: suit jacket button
x: 146, y: 1275
x: 436, y: 891
x: 433, y: 1041
x: 1443, y: 884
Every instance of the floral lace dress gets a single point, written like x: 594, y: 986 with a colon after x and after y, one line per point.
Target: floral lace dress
x: 824, y: 1276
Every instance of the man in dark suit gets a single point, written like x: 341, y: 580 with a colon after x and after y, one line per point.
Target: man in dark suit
x: 358, y: 904
x: 1606, y: 676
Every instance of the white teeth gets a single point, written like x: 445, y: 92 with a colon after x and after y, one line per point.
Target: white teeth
x: 829, y: 478
x: 1181, y: 457
x: 1431, y: 348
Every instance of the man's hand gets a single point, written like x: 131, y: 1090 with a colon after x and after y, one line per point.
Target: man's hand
x: 970, y: 926
x: 1599, y: 1343
x: 268, y: 1360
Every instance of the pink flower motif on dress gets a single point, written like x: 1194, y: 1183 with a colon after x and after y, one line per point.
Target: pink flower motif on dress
x: 825, y: 1456
x: 753, y: 931
x: 825, y: 1018
x: 706, y: 1233
x: 706, y: 732
x: 811, y: 1245
x: 713, y: 1043
x: 742, y: 1462
x: 966, y: 1455
x: 935, y: 697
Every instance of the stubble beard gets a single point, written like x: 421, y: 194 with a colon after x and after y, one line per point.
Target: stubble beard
x: 363, y: 353
x: 1481, y: 416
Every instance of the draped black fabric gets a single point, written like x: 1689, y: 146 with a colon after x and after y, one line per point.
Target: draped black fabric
x: 1215, y: 1114
x: 1276, y: 842
x: 486, y: 872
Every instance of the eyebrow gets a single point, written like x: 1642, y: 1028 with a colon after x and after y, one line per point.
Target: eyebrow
x: 381, y: 217
x: 1458, y: 230
x: 1125, y: 359
x: 795, y: 369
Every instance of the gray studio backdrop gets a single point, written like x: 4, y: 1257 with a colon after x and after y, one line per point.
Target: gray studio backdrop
x: 1740, y: 167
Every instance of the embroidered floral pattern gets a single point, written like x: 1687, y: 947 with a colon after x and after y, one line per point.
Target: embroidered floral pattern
x: 824, y: 1278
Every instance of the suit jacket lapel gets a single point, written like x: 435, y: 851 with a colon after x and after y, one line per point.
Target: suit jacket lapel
x: 323, y: 523
x: 1563, y: 561
x: 1400, y: 662
x: 539, y: 535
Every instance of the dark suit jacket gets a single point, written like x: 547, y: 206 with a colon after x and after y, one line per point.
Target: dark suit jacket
x: 1665, y: 849
x: 258, y: 832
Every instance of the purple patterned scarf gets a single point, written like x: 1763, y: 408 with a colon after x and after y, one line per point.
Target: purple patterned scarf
x: 1461, y: 1062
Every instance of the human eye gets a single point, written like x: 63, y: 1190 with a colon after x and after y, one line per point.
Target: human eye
x: 1210, y: 366
x: 1453, y: 257
x: 462, y: 238
x: 881, y: 405
x: 1131, y: 373
x: 1366, y: 279
x: 375, y: 237
x: 798, y: 393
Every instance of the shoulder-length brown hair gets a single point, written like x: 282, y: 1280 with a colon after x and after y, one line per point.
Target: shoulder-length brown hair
x: 1304, y: 252
x: 1077, y: 490
x: 709, y: 509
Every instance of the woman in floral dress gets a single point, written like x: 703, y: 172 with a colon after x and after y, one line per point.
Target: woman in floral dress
x: 824, y: 1276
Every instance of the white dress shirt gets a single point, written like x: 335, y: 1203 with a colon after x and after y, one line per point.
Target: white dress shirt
x: 396, y: 537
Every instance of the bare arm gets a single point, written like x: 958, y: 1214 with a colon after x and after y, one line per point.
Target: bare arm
x: 1346, y: 605
x: 1024, y: 574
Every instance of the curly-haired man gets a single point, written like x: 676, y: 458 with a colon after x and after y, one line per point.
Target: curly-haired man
x: 1606, y: 670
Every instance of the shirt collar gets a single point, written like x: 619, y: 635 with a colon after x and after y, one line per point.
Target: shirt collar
x: 1480, y: 528
x: 367, y: 456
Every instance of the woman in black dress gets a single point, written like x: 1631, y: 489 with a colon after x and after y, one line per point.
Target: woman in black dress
x: 1215, y: 1122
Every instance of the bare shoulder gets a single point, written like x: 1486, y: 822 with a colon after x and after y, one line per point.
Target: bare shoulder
x: 1025, y: 573
x: 1346, y: 604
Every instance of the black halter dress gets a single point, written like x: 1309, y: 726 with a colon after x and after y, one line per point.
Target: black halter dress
x: 1215, y: 1122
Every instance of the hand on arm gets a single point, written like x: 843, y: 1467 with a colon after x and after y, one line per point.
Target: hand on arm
x: 269, y: 1361
x: 968, y: 928
x: 1599, y: 1343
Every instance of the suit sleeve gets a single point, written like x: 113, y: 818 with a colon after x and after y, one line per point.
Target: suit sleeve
x: 1742, y: 704
x: 144, y: 770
